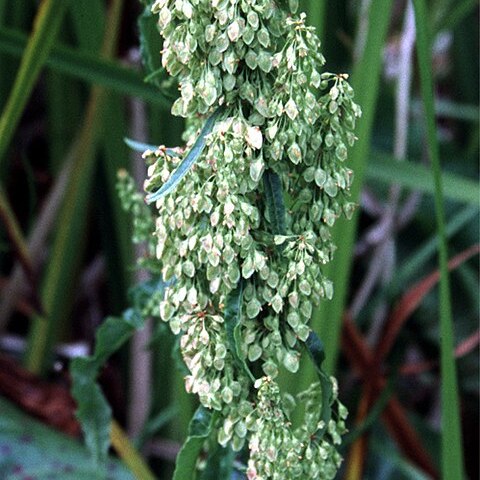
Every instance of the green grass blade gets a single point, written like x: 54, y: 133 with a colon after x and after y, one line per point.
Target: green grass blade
x: 47, y: 23
x: 366, y: 79
x: 113, y: 221
x: 63, y: 265
x: 65, y: 255
x: 64, y: 101
x: 452, y: 451
x: 415, y: 176
x: 457, y: 14
x: 89, y: 68
x: 408, y: 270
x: 64, y: 95
x: 316, y: 11
x: 453, y: 110
x: 88, y: 19
x: 19, y: 245
x: 4, y: 79
x: 13, y: 15
x: 327, y: 319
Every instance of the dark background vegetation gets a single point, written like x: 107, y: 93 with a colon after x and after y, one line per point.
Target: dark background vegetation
x: 58, y: 172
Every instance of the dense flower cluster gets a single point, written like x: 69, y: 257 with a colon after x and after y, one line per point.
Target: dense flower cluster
x: 278, y: 452
x: 256, y: 67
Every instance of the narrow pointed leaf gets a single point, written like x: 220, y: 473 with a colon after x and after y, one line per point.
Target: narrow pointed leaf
x: 89, y: 68
x: 452, y: 448
x: 190, y: 159
x: 232, y: 322
x: 198, y: 431
x: 142, y: 147
x: 47, y: 22
x: 418, y: 177
x: 316, y: 351
x: 150, y: 46
x: 139, y: 146
x: 275, y: 201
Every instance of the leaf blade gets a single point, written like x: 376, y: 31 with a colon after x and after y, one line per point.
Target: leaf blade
x: 316, y: 351
x: 188, y: 161
x: 93, y: 411
x: 452, y: 448
x: 232, y: 321
x: 418, y: 177
x: 275, y: 201
x: 89, y: 68
x: 47, y: 23
x: 198, y: 431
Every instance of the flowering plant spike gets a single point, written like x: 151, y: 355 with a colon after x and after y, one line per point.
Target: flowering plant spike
x: 243, y: 221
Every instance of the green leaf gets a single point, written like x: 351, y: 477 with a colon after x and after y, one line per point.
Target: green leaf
x: 412, y: 266
x: 142, y: 147
x: 141, y: 293
x: 93, y: 411
x: 232, y: 320
x: 452, y: 449
x: 65, y: 255
x: 47, y: 22
x: 317, y: 16
x: 458, y: 12
x: 374, y: 415
x: 219, y: 463
x: 115, y: 229
x: 415, y: 176
x: 46, y: 25
x: 188, y: 161
x: 88, y: 67
x: 150, y: 46
x: 275, y: 202
x: 30, y: 449
x: 448, y: 109
x: 88, y: 22
x: 394, y: 462
x: 198, y: 431
x: 153, y: 426
x: 316, y: 351
x: 139, y: 146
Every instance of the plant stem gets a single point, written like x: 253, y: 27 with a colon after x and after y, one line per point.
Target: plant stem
x: 15, y: 234
x: 127, y: 452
